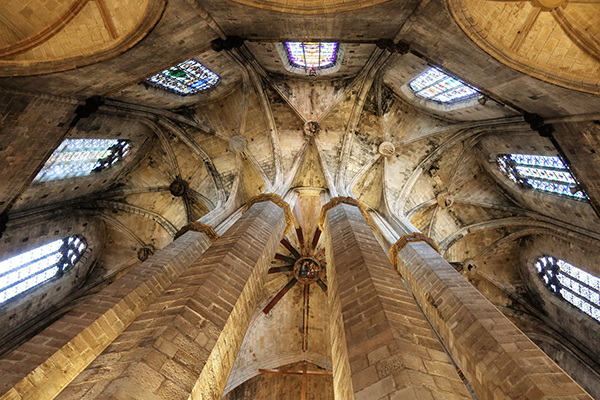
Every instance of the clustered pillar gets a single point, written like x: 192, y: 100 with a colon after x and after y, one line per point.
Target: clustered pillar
x: 172, y: 327
x: 499, y: 361
x: 184, y: 345
x: 392, y: 352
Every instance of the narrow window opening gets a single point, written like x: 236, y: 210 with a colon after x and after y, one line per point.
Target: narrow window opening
x: 312, y: 55
x: 436, y: 85
x: 34, y: 267
x: 571, y: 284
x: 188, y: 77
x: 545, y: 173
x: 80, y: 157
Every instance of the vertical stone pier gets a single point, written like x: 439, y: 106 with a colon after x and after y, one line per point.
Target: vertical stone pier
x: 392, y: 353
x: 184, y: 345
x: 499, y: 361
x: 41, y: 367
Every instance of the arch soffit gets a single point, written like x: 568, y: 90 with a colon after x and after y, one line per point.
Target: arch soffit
x: 310, y: 8
x: 558, y: 44
x: 544, y: 227
x: 46, y: 50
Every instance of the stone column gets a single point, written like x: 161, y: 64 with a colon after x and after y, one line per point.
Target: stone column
x: 391, y: 351
x: 184, y: 345
x: 499, y: 361
x: 41, y: 367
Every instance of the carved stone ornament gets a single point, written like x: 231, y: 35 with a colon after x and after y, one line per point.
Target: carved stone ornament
x: 312, y: 128
x: 410, y: 238
x: 178, y: 187
x: 387, y: 149
x: 336, y: 201
x: 445, y: 199
x: 307, y: 270
x: 145, y: 252
x: 275, y: 198
x: 197, y: 226
x: 238, y: 143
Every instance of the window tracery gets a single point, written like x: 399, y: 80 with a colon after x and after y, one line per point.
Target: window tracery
x: 34, y: 267
x: 546, y: 173
x: 436, y: 85
x: 312, y: 55
x: 188, y: 77
x: 79, y: 157
x: 571, y: 284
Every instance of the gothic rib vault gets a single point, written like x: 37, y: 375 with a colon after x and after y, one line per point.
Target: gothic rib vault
x: 124, y: 316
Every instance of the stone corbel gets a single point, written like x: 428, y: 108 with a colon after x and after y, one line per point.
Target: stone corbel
x: 198, y: 227
x: 410, y: 238
x: 277, y: 200
x: 336, y: 201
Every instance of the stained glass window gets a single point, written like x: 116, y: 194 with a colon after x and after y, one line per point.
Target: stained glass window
x: 547, y: 173
x: 436, y: 85
x: 34, y: 267
x: 312, y: 55
x: 571, y: 284
x: 79, y: 157
x: 188, y: 77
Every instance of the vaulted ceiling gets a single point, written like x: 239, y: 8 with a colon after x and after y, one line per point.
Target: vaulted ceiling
x: 252, y: 133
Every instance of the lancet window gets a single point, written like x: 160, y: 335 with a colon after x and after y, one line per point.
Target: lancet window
x: 546, y: 173
x: 312, y: 55
x: 436, y: 85
x: 571, y: 284
x: 79, y: 157
x: 34, y: 267
x: 188, y: 77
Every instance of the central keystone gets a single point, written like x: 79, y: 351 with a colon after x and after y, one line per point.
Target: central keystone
x: 307, y: 270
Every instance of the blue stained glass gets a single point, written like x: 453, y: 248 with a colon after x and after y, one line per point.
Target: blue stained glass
x: 436, y: 85
x: 79, y: 157
x: 34, y: 267
x: 572, y: 284
x: 312, y: 55
x: 188, y: 77
x: 540, y: 161
x: 546, y: 173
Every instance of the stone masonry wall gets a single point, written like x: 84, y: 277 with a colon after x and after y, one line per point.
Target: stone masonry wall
x: 393, y: 352
x: 185, y: 344
x: 42, y: 367
x: 498, y: 360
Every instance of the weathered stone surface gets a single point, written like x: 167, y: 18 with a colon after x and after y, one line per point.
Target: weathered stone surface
x: 185, y: 343
x: 32, y: 372
x: 392, y: 350
x: 498, y: 360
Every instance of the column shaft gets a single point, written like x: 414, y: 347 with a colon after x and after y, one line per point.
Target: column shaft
x: 40, y: 368
x: 184, y: 345
x: 499, y: 361
x: 392, y: 351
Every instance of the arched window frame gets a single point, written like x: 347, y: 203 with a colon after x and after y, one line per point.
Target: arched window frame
x: 571, y: 284
x: 291, y: 65
x: 187, y: 78
x: 81, y: 157
x: 33, y: 268
x: 548, y: 174
x: 440, y: 87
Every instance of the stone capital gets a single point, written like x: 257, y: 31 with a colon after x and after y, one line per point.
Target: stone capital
x: 410, y: 238
x: 277, y: 200
x: 197, y: 226
x: 336, y: 201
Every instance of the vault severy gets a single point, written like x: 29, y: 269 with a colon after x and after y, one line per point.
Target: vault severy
x: 552, y: 40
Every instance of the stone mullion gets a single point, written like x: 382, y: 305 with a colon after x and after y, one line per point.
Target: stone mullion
x: 74, y: 341
x: 392, y: 351
x: 499, y: 361
x: 185, y: 344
